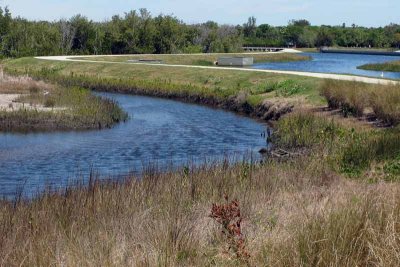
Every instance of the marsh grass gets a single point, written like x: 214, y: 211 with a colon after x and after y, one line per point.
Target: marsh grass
x: 355, y: 98
x: 21, y: 84
x: 348, y: 150
x: 364, y: 148
x: 50, y: 107
x: 393, y: 66
x: 295, y: 213
x: 299, y: 212
x: 305, y: 129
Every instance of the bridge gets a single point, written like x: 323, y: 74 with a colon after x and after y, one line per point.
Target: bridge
x: 262, y: 49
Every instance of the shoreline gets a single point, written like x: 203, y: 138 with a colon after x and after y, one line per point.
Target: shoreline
x: 342, y: 77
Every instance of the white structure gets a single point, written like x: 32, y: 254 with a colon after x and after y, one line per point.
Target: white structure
x: 235, y: 61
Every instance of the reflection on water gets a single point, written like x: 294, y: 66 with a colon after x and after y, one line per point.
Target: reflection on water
x: 335, y: 63
x: 162, y: 131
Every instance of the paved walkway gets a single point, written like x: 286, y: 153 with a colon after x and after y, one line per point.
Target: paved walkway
x: 342, y: 77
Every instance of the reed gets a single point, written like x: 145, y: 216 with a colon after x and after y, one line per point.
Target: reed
x: 45, y: 107
x: 292, y: 214
x: 358, y: 99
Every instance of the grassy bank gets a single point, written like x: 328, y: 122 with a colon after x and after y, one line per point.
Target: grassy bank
x: 348, y: 148
x: 293, y: 213
x: 204, y: 59
x: 393, y: 66
x: 261, y: 95
x: 39, y: 106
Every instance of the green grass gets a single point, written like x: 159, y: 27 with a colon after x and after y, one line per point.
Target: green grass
x: 358, y: 99
x: 202, y: 59
x: 185, y: 83
x: 393, y: 66
x: 349, y: 151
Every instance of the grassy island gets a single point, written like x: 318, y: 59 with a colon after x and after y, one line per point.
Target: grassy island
x: 393, y: 66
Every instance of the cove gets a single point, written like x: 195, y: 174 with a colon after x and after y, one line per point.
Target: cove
x: 160, y: 131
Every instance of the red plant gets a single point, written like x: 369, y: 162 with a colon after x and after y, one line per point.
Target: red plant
x: 229, y: 217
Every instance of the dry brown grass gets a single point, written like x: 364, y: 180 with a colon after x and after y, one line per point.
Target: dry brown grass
x: 294, y: 214
x: 21, y: 85
x: 358, y: 98
x: 29, y: 105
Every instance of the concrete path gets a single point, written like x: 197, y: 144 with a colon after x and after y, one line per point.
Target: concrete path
x: 342, y: 77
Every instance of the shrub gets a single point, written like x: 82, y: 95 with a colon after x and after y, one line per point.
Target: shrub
x: 229, y: 217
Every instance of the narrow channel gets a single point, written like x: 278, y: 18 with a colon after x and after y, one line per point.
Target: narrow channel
x: 165, y: 132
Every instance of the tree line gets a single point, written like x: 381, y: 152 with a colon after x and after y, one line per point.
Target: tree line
x: 300, y: 33
x: 140, y: 32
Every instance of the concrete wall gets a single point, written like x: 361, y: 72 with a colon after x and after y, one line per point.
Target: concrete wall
x: 235, y: 61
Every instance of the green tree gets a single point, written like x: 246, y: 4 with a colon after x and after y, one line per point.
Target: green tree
x: 83, y: 40
x: 250, y: 28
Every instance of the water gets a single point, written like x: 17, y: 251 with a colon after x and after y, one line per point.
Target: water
x: 335, y: 63
x: 162, y: 131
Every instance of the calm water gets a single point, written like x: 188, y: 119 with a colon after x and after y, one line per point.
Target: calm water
x: 335, y: 63
x: 164, y: 131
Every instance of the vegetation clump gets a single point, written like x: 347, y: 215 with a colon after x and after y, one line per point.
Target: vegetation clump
x: 349, y: 151
x: 228, y: 215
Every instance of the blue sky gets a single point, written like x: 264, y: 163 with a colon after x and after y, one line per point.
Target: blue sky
x: 274, y: 12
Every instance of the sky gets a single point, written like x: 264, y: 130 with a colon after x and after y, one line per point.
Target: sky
x: 370, y: 13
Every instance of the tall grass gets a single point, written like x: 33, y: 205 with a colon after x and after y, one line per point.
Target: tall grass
x: 356, y: 98
x: 50, y: 107
x: 305, y: 129
x: 351, y: 97
x: 362, y: 231
x: 393, y: 66
x: 361, y: 149
x: 350, y: 151
x: 294, y: 213
x: 21, y: 84
x: 386, y: 103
